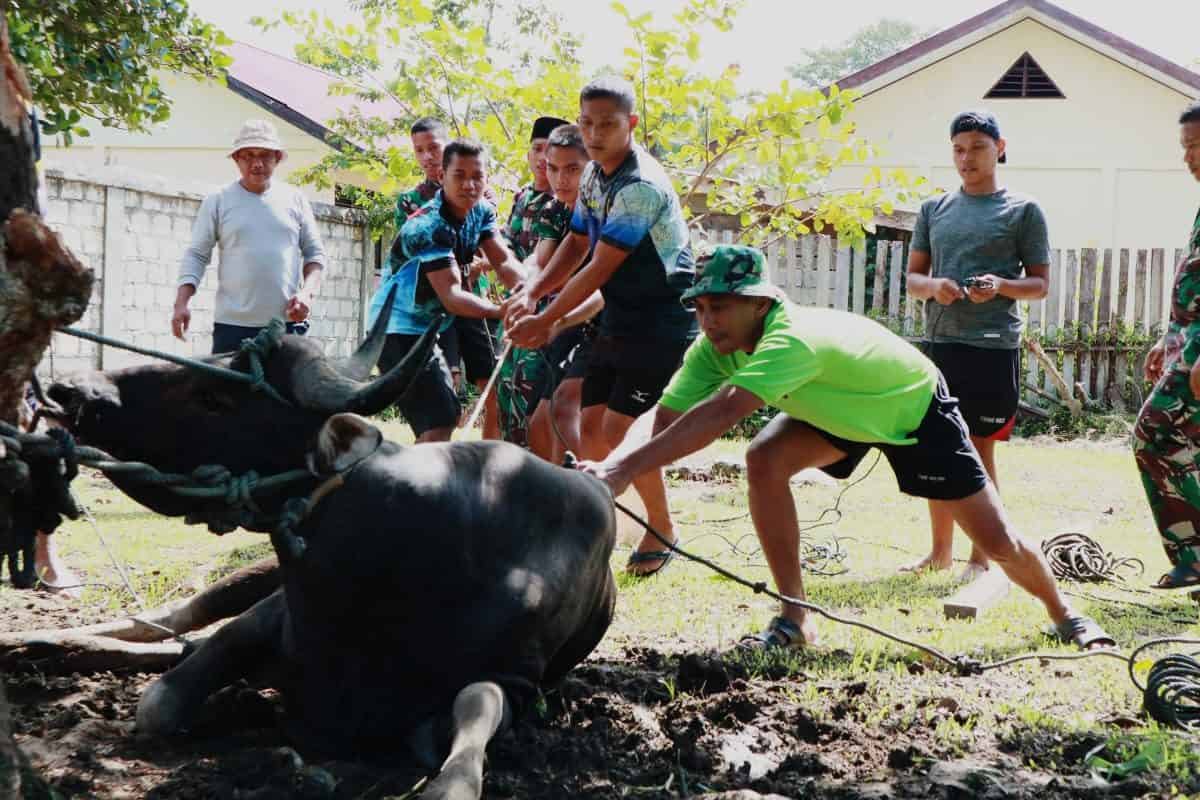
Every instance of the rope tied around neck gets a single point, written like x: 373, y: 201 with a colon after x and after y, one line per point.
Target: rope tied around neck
x: 257, y: 350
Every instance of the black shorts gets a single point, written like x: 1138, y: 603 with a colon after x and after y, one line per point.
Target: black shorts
x: 629, y: 375
x: 942, y: 465
x: 448, y: 342
x: 476, y: 347
x: 430, y: 401
x: 581, y: 355
x: 987, y: 383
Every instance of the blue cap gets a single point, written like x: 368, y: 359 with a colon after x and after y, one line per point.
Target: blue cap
x: 980, y: 120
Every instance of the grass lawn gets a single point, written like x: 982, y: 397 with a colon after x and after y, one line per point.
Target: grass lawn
x: 1049, y: 488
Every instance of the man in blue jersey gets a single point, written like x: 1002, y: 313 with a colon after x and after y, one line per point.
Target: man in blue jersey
x: 629, y: 217
x: 431, y: 254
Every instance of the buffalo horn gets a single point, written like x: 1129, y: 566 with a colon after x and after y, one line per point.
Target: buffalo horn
x: 358, y: 366
x: 320, y: 387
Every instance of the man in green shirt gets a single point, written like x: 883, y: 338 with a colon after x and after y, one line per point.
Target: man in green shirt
x: 844, y: 384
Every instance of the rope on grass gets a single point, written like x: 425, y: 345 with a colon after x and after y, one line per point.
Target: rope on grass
x: 1172, y: 693
x: 1077, y: 557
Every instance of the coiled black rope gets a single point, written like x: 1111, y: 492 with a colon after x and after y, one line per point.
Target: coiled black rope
x: 1077, y: 557
x: 1172, y: 693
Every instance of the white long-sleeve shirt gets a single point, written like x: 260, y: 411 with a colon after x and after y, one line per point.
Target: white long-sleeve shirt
x: 265, y: 241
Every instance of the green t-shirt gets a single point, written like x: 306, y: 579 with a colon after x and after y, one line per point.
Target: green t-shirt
x: 842, y: 373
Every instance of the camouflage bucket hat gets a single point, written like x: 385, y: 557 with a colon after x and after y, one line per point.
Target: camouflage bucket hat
x: 732, y: 269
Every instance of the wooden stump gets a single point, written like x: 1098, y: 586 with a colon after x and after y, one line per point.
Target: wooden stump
x: 42, y: 287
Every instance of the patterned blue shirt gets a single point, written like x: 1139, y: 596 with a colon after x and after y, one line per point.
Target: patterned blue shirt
x: 429, y: 241
x: 636, y: 210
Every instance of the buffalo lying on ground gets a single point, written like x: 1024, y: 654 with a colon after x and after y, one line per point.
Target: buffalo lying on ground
x: 440, y: 584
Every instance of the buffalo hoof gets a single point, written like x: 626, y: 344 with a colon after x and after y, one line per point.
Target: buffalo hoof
x: 461, y: 778
x: 161, y: 711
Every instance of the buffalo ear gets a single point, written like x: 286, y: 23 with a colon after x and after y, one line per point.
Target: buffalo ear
x: 345, y: 440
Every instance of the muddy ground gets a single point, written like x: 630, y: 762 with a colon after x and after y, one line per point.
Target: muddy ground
x: 635, y: 723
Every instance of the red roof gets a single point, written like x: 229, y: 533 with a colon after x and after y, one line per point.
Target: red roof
x: 995, y: 14
x: 297, y: 93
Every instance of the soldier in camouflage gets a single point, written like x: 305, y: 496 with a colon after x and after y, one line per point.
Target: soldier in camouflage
x: 1167, y: 434
x: 532, y: 199
x: 529, y: 377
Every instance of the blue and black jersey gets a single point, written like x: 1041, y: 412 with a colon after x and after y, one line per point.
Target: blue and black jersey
x: 430, y: 240
x: 636, y: 210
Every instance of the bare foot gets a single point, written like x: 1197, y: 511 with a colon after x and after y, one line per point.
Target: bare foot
x: 971, y: 571
x: 928, y: 563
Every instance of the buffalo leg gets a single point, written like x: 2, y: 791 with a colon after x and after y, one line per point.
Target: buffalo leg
x: 480, y: 710
x: 250, y: 642
x: 228, y: 597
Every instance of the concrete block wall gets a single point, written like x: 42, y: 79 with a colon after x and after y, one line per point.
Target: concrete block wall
x: 132, y: 231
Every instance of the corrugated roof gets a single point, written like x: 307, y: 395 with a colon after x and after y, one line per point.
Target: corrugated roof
x: 295, y: 92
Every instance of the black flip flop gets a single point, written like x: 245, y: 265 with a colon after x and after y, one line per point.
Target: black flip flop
x: 780, y: 634
x: 636, y: 557
x: 1181, y: 576
x: 1081, y: 631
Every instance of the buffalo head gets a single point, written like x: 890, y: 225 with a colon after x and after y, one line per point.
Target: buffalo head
x: 177, y: 418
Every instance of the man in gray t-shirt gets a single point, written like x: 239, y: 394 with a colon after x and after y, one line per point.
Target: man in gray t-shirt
x: 271, y: 252
x: 975, y: 252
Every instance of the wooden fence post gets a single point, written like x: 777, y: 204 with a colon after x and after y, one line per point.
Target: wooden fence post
x: 1157, y: 286
x: 895, y: 274
x: 841, y: 285
x: 824, y: 263
x: 878, y: 298
x: 858, y: 282
x: 1139, y: 292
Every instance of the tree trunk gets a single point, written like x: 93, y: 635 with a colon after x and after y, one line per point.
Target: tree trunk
x: 42, y: 287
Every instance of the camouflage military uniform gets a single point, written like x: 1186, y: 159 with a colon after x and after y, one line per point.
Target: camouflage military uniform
x: 1167, y: 434
x: 529, y: 375
x: 408, y: 202
x: 521, y: 232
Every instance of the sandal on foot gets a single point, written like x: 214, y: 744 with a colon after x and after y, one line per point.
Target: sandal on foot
x: 1082, y: 632
x: 637, y: 557
x: 1180, y: 577
x: 781, y: 632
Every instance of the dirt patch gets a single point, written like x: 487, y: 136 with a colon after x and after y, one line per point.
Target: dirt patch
x: 647, y: 723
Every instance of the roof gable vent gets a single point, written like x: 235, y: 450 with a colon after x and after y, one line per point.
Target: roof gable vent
x: 1025, y: 78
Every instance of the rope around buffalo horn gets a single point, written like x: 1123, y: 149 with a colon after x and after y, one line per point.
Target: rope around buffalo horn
x: 1077, y: 557
x: 256, y: 349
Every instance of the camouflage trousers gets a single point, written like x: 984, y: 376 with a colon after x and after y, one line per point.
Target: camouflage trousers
x: 525, y: 378
x: 1166, y: 446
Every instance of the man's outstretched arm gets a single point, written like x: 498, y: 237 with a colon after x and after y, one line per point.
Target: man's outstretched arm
x: 692, y: 431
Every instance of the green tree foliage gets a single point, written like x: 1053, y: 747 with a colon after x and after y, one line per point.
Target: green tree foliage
x: 826, y: 65
x: 98, y: 58
x: 488, y: 67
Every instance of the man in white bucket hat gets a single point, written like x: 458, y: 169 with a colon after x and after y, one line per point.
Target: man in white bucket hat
x: 271, y: 251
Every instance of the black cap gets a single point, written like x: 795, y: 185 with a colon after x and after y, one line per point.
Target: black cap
x: 543, y: 125
x: 978, y: 120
